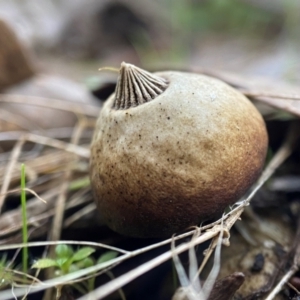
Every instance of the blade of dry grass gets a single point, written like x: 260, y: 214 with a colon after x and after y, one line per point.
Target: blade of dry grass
x: 212, y: 277
x: 79, y: 243
x: 38, y: 139
x: 9, y: 170
x: 56, y: 227
x: 76, y: 108
x: 27, y: 190
x: 18, y: 120
x: 191, y: 286
x: 10, y: 222
x: 78, y: 215
x: 60, y: 205
x: 54, y: 161
x: 78, y: 150
x: 183, y: 278
x: 56, y: 133
x: 39, y: 169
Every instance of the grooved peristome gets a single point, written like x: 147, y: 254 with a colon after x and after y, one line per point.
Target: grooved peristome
x: 136, y: 86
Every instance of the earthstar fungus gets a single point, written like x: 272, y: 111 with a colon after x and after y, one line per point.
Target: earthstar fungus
x: 171, y: 150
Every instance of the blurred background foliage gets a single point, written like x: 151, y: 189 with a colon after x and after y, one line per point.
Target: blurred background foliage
x: 247, y: 36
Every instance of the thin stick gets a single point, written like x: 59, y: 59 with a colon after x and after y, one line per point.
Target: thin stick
x: 293, y: 288
x: 281, y: 283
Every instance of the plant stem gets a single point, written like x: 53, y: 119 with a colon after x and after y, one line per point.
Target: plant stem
x: 24, y: 220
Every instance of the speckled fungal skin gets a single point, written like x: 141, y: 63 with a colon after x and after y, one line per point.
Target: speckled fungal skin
x: 177, y: 160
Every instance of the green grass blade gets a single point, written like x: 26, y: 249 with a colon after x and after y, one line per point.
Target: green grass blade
x: 24, y: 220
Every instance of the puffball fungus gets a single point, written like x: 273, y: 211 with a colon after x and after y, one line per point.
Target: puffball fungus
x: 171, y: 150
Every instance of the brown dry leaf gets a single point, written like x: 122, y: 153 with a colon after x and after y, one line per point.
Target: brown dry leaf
x: 278, y: 94
x: 14, y: 65
x: 225, y: 287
